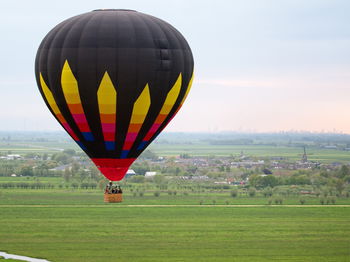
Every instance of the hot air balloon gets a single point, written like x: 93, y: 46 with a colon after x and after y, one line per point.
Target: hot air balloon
x: 114, y: 79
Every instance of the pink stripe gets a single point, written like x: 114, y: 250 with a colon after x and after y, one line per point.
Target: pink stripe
x: 130, y: 137
x: 67, y: 127
x: 154, y: 128
x: 109, y: 128
x: 70, y: 131
x: 79, y: 118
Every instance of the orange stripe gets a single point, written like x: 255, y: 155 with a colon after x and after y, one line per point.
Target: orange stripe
x: 61, y: 119
x: 108, y: 118
x: 134, y: 128
x: 76, y: 108
x: 160, y: 119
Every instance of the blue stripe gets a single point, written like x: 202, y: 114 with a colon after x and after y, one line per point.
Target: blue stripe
x: 142, y: 145
x: 88, y: 136
x: 81, y: 145
x: 110, y: 145
x: 124, y: 154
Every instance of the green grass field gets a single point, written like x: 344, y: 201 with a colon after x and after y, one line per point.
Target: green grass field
x: 95, y: 197
x: 177, y: 233
x: 72, y: 226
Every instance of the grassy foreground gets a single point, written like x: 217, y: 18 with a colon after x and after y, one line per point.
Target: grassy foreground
x: 120, y: 233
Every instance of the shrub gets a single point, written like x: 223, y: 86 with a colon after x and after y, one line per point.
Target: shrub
x: 302, y: 201
x: 214, y: 202
x: 227, y: 202
x: 267, y: 192
x: 201, y: 202
x: 278, y: 201
x: 269, y: 201
x: 322, y: 201
x: 156, y: 194
x: 330, y: 200
x: 141, y: 194
x: 234, y: 193
x: 252, y: 192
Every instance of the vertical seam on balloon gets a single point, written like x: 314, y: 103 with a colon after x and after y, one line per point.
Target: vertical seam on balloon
x: 66, y: 24
x: 55, y: 38
x: 165, y: 33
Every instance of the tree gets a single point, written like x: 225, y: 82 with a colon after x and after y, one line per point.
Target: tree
x: 45, y: 156
x: 192, y: 169
x: 75, y: 167
x: 270, y: 181
x: 263, y: 181
x: 234, y: 193
x: 251, y: 191
x: 140, y: 168
x: 158, y: 179
x: 148, y: 154
x: 69, y: 151
x: 137, y: 179
x: 343, y: 171
x: 61, y: 157
x: 26, y: 171
x: 83, y: 174
x: 67, y: 175
x: 339, y: 186
x: 94, y: 173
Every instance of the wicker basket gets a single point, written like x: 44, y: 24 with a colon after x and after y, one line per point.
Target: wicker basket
x: 113, y: 198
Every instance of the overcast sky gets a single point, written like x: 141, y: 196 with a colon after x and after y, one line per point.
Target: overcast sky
x: 259, y: 65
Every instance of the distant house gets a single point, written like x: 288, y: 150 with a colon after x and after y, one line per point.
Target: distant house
x: 221, y: 183
x: 150, y: 174
x: 13, y: 157
x: 330, y: 147
x: 130, y: 173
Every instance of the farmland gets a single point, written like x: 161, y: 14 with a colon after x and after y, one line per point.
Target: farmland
x: 172, y: 217
x: 216, y: 233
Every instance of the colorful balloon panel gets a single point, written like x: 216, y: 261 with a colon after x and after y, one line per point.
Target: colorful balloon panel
x: 114, y: 79
x: 107, y: 105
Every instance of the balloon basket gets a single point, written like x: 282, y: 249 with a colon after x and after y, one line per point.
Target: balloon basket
x: 113, y: 198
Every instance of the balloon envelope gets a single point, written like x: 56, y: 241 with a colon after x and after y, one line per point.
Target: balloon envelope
x: 114, y: 79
